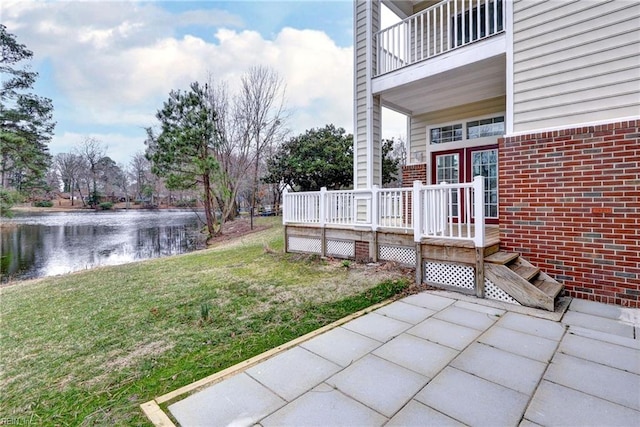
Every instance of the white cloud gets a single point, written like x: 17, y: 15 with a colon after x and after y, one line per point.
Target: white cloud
x: 115, y: 63
x: 120, y: 148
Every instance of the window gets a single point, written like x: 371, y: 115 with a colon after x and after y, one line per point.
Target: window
x: 466, y: 24
x: 471, y: 130
x: 444, y: 134
x: 485, y: 163
x: 486, y: 127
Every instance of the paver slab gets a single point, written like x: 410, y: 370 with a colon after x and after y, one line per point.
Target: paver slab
x: 501, y: 367
x: 324, y: 406
x: 480, y: 307
x: 405, y: 312
x: 429, y: 300
x: 239, y: 400
x: 516, y: 342
x: 597, y: 323
x: 595, y: 379
x: 610, y: 311
x: 341, y: 346
x: 532, y: 326
x: 555, y: 405
x: 293, y: 372
x: 445, y: 333
x: 469, y: 318
x: 615, y: 356
x: 378, y: 383
x: 527, y: 423
x: 419, y: 355
x: 473, y: 400
x: 378, y: 327
x: 603, y: 336
x: 419, y: 415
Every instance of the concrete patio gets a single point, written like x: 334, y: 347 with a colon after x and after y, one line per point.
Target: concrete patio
x: 438, y: 358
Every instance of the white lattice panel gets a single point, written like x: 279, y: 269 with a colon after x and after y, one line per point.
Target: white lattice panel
x: 491, y: 291
x: 304, y: 244
x: 341, y: 248
x: 398, y: 254
x: 459, y: 276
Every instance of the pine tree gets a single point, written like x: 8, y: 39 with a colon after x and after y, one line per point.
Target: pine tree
x: 26, y: 120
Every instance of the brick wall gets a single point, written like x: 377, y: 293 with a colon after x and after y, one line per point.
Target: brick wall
x: 412, y: 173
x: 570, y: 203
x: 362, y: 251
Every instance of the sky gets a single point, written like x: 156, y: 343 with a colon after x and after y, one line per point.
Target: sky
x: 108, y: 66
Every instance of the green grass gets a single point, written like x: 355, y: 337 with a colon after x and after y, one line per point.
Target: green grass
x: 88, y: 348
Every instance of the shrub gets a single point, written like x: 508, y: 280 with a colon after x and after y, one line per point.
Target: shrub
x: 43, y: 203
x: 186, y: 203
x: 8, y: 198
x: 105, y: 206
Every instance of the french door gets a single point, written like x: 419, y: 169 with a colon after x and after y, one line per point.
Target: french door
x: 461, y: 165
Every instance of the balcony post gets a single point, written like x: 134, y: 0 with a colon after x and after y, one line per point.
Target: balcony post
x: 478, y: 238
x: 322, y: 208
x: 478, y: 210
x: 285, y: 207
x: 416, y: 211
x: 374, y: 207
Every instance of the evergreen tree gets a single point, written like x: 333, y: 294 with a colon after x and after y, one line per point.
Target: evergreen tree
x: 183, y: 151
x: 26, y: 120
x: 318, y: 158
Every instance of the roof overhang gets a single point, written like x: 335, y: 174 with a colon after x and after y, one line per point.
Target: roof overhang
x: 469, y: 74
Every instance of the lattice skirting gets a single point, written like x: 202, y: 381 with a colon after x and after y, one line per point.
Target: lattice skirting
x: 491, y: 291
x: 304, y: 244
x: 341, y: 248
x: 399, y: 254
x: 458, y: 276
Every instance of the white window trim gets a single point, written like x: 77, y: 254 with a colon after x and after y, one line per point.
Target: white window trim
x: 464, y: 143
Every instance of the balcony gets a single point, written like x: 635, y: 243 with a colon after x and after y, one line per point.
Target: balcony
x: 442, y: 28
x: 449, y: 212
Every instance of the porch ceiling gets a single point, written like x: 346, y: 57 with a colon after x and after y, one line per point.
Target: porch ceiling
x: 440, y: 83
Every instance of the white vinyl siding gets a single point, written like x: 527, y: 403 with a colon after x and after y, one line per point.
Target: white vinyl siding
x: 366, y: 153
x: 574, y: 62
x: 420, y: 123
x: 360, y: 93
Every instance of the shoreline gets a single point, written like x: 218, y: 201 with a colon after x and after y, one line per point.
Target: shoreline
x: 116, y: 208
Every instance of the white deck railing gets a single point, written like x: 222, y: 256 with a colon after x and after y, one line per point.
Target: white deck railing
x: 440, y: 28
x: 443, y: 211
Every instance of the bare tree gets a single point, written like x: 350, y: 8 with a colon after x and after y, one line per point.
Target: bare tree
x: 92, y: 151
x: 140, y: 171
x: 260, y: 110
x: 232, y: 151
x: 69, y: 166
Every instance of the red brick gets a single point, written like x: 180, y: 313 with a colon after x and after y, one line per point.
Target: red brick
x: 592, y: 187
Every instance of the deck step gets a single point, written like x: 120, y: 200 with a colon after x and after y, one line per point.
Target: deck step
x: 501, y: 257
x: 517, y: 287
x: 526, y: 272
x: 548, y: 285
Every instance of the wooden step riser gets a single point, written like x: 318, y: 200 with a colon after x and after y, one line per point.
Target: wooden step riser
x: 501, y: 257
x: 520, y: 289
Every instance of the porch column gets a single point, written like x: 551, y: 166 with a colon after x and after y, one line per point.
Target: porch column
x: 367, y: 168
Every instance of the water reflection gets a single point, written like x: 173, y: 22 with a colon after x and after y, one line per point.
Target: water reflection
x: 58, y: 243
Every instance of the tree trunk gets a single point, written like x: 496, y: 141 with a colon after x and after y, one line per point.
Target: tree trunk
x: 208, y: 206
x: 71, y: 191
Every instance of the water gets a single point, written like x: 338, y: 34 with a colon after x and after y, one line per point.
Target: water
x: 49, y: 244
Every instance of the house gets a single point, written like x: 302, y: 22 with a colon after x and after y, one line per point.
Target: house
x: 541, y: 99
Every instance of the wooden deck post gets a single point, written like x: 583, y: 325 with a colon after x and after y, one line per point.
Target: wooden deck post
x: 480, y: 272
x: 419, y: 263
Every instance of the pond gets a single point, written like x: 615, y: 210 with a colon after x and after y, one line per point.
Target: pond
x: 47, y: 244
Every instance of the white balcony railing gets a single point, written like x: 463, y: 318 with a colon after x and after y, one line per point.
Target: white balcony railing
x: 443, y: 211
x: 440, y: 28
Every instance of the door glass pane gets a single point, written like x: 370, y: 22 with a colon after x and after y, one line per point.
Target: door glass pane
x: 448, y: 170
x: 485, y: 163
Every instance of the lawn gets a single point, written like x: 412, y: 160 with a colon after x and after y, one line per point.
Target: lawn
x: 88, y: 348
